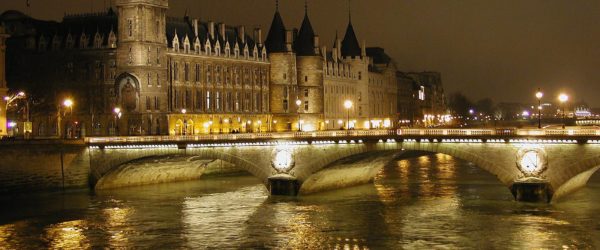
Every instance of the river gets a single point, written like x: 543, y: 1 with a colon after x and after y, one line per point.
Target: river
x: 431, y: 201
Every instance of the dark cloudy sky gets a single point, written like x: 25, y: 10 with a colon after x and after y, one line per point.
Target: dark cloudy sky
x: 504, y: 49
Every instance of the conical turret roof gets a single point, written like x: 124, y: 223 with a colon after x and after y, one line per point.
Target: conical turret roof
x: 350, y: 46
x: 305, y: 42
x: 276, y: 38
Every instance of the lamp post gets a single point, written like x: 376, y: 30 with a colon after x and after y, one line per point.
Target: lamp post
x: 117, y: 112
x: 68, y: 103
x: 298, y: 103
x: 563, y: 98
x: 348, y: 106
x: 539, y: 96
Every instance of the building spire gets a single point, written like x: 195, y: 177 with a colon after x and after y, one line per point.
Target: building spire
x: 306, y: 7
x: 349, y: 11
x: 277, y: 5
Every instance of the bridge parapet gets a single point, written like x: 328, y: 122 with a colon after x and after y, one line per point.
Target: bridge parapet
x: 507, y: 133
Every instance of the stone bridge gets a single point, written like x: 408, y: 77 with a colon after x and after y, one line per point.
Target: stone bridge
x: 534, y: 164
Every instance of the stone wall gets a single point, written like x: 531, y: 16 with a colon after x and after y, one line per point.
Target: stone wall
x: 26, y: 168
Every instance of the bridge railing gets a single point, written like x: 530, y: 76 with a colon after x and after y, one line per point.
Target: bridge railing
x: 442, y: 132
x: 233, y: 137
x: 349, y: 133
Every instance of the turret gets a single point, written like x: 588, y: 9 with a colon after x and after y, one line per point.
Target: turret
x: 310, y: 76
x: 283, y: 85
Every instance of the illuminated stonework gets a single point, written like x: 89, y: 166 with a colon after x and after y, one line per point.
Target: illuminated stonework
x: 532, y: 161
x: 283, y: 160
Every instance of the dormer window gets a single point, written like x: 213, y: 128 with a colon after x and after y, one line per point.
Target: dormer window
x: 98, y: 41
x: 83, y: 42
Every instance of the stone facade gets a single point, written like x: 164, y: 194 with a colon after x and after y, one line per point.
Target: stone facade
x: 135, y: 71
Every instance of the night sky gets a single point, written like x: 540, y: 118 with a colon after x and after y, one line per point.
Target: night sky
x: 504, y: 49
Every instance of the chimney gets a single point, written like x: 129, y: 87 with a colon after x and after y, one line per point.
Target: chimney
x: 211, y: 29
x: 363, y: 51
x: 316, y: 42
x: 222, y: 30
x: 258, y: 35
x: 195, y: 23
x: 338, y: 48
x: 288, y: 40
x: 335, y: 54
x: 324, y: 52
x: 242, y: 33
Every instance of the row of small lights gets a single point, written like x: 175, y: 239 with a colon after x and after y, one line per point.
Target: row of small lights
x: 246, y: 144
x: 343, y: 142
x: 135, y: 146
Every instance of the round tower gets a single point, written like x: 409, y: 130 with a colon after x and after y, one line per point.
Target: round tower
x: 283, y: 89
x: 310, y: 78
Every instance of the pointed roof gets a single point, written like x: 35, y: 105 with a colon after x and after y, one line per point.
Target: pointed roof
x: 305, y: 42
x: 350, y: 46
x: 276, y: 39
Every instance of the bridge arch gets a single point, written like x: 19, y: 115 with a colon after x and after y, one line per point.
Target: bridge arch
x: 507, y: 174
x: 571, y: 178
x: 156, y: 166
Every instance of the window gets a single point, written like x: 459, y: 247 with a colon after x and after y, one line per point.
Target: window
x: 237, y: 101
x: 175, y: 71
x: 156, y: 103
x: 284, y: 76
x: 305, y: 92
x: 188, y: 99
x: 305, y: 105
x: 186, y: 72
x: 218, y: 74
x: 207, y: 100
x: 176, y: 98
x: 208, y: 74
x: 422, y: 93
x: 285, y: 92
x: 157, y: 80
x: 148, y: 103
x: 305, y: 78
x: 197, y: 78
x: 247, y: 102
x: 199, y: 100
x: 218, y: 101
x: 285, y: 105
x: 158, y: 56
x: 157, y: 30
x: 149, y: 80
x: 227, y: 101
x: 130, y: 27
x: 359, y: 75
x: 256, y: 102
x: 130, y: 59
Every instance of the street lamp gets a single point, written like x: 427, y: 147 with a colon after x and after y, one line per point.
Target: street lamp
x: 184, y: 129
x: 563, y: 98
x: 348, y: 106
x: 539, y: 96
x: 68, y: 103
x: 298, y: 103
x: 117, y: 112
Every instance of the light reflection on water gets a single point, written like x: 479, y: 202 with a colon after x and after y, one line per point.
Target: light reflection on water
x: 432, y: 201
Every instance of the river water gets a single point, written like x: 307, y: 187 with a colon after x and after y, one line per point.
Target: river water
x: 431, y: 201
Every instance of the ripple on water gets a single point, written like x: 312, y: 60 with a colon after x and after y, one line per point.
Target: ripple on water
x: 431, y: 201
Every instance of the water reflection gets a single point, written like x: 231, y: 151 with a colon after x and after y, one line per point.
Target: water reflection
x: 67, y: 235
x: 426, y: 201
